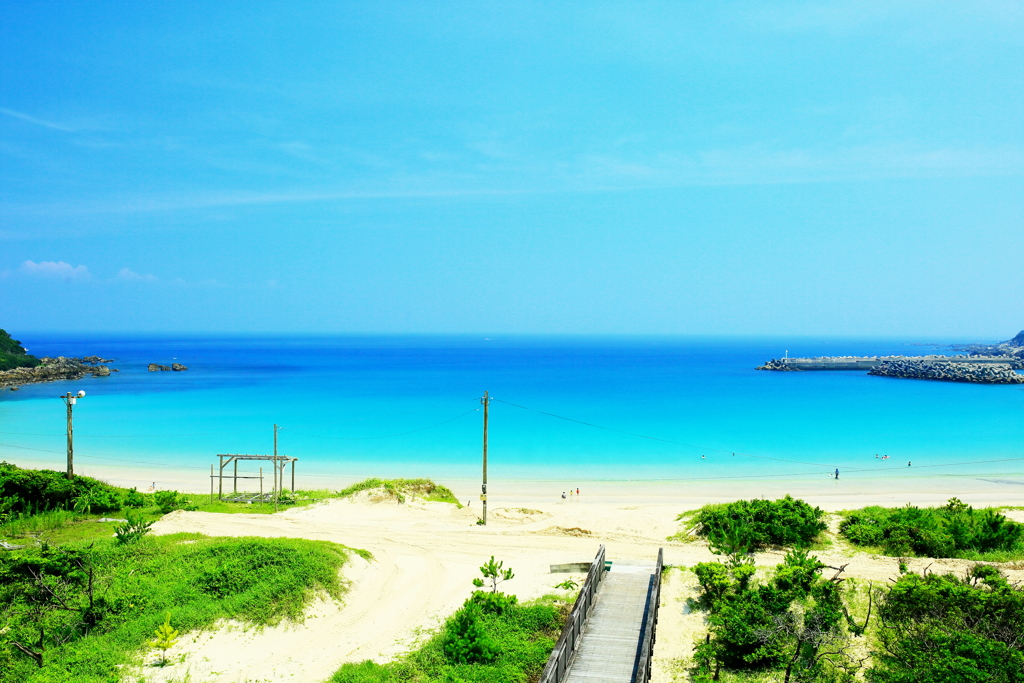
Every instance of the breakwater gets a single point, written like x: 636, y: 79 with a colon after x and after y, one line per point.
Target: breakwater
x: 978, y: 373
x: 977, y: 369
x: 870, y: 362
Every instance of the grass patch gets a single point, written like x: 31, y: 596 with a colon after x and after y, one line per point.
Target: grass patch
x: 953, y: 530
x: 197, y: 579
x: 523, y: 636
x: 24, y: 524
x: 401, y: 489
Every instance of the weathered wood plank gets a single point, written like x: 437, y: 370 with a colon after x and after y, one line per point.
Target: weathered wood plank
x: 608, y: 650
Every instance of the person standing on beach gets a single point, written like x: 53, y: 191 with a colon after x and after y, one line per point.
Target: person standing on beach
x: 837, y: 473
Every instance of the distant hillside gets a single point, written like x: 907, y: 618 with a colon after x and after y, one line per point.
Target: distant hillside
x: 1011, y: 347
x: 13, y: 354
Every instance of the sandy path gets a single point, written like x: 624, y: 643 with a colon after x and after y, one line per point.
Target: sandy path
x: 425, y: 557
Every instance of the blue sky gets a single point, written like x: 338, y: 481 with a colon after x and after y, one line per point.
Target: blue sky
x: 681, y: 167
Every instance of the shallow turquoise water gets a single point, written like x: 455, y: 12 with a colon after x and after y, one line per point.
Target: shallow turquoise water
x: 335, y: 396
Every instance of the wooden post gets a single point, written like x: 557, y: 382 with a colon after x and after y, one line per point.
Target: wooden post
x: 211, y: 483
x: 293, y: 477
x: 220, y: 478
x: 483, y: 489
x: 236, y: 475
x: 261, y: 484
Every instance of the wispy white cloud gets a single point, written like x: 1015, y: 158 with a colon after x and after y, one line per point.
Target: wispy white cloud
x: 54, y: 270
x: 610, y: 169
x: 131, y: 276
x: 36, y: 121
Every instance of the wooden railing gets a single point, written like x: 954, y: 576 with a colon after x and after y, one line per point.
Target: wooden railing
x: 643, y: 664
x: 561, y: 656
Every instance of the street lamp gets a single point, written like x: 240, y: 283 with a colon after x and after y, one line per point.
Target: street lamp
x: 69, y: 400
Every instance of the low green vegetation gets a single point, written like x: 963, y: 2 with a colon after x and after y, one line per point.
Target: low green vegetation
x: 13, y: 354
x: 24, y: 491
x: 44, y: 505
x: 943, y: 628
x: 492, y: 638
x: 756, y: 524
x: 793, y: 624
x: 953, y: 530
x: 79, y: 612
x: 401, y: 489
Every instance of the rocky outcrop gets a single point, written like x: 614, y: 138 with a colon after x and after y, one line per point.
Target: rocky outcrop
x: 178, y: 367
x: 96, y: 360
x: 949, y: 372
x: 154, y: 367
x: 51, y: 370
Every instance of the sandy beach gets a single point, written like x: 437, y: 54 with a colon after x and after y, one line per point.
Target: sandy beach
x: 1002, y: 485
x: 426, y: 554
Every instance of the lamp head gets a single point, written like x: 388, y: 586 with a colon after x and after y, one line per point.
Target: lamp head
x: 81, y: 394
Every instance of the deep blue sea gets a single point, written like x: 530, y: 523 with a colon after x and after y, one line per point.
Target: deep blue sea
x: 665, y: 408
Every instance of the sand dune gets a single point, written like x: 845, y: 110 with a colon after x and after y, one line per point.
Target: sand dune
x: 425, y: 556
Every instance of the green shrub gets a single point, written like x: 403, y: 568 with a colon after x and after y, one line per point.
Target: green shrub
x: 493, y: 603
x: 135, y: 528
x: 134, y: 499
x: 522, y: 638
x: 942, y: 628
x: 794, y: 623
x: 32, y: 491
x: 168, y: 501
x: 465, y: 640
x: 953, y: 530
x: 755, y: 524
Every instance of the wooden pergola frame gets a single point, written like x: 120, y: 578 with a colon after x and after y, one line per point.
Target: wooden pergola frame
x: 278, y: 462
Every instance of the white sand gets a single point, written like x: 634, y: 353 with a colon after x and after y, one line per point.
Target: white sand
x: 425, y: 556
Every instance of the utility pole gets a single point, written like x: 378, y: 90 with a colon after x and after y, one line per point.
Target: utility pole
x: 277, y: 490
x: 69, y: 400
x: 483, y: 489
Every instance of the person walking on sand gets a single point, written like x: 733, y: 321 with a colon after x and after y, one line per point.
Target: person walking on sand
x: 837, y: 473
x: 577, y: 491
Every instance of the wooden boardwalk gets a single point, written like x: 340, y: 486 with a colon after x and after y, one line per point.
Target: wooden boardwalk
x: 608, y: 650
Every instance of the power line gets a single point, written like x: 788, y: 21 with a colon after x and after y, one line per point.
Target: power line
x: 848, y: 468
x: 385, y: 436
x: 134, y: 436
x: 921, y: 467
x: 26, y: 448
x: 655, y: 438
x: 141, y: 462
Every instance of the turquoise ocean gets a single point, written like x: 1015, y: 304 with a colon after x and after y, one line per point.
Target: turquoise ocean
x: 564, y: 408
